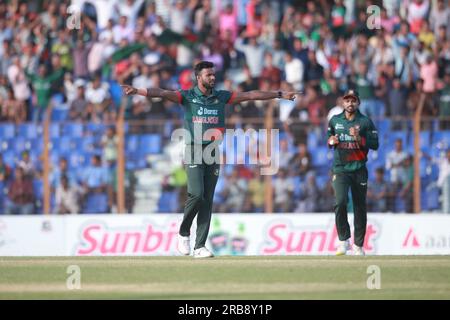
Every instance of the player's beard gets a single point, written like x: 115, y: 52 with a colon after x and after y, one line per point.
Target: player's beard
x: 208, y: 85
x: 350, y: 109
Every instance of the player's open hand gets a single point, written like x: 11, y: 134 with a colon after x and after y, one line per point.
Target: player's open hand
x: 128, y: 90
x: 290, y: 95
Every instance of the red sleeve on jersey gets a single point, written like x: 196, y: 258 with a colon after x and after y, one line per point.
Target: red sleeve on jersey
x: 233, y: 95
x: 363, y: 141
x: 180, y: 97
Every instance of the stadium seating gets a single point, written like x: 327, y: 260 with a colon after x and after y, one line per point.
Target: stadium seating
x: 149, y: 144
x: 96, y: 203
x: 168, y: 202
x: 59, y: 115
x: 7, y: 131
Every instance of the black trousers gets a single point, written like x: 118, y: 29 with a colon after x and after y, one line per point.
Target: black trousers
x: 357, y: 182
x: 202, y: 180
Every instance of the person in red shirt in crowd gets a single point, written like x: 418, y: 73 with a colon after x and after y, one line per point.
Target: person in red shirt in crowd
x: 21, y: 194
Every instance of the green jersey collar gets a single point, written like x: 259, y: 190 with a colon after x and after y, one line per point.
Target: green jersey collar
x: 198, y: 92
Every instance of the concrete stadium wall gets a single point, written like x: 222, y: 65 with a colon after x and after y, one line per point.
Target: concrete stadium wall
x: 230, y: 234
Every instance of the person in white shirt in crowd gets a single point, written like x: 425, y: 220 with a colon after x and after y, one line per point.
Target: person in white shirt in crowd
x: 66, y: 198
x: 440, y: 16
x: 253, y: 51
x: 18, y: 80
x: 294, y: 70
x: 123, y: 30
x: 394, y: 163
x: 129, y: 9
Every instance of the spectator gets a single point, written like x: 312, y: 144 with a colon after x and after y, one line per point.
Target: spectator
x: 254, y: 53
x: 440, y: 16
x: 234, y: 193
x: 180, y: 15
x: 397, y: 98
x: 98, y: 97
x: 79, y: 107
x: 256, y: 190
x: 41, y: 84
x: 285, y: 154
x: 129, y: 9
x: 315, y: 105
x: 204, y: 18
x: 66, y: 198
x: 426, y: 35
x: 300, y: 163
x: 394, y: 163
x: 60, y: 171
x: 13, y: 110
x: 294, y: 70
x: 27, y: 166
x: 428, y: 72
x: 365, y: 86
x: 270, y: 72
x: 406, y: 188
x: 444, y: 181
x: 417, y: 13
x: 313, y: 71
x: 18, y: 80
x: 309, y: 197
x: 123, y: 31
x: 283, y: 192
x: 228, y: 20
x: 80, y: 59
x: 5, y: 171
x: 20, y: 194
x: 62, y: 47
x: 130, y: 189
x: 109, y: 143
x: 444, y: 103
x: 326, y: 200
x: 95, y: 179
x: 378, y: 193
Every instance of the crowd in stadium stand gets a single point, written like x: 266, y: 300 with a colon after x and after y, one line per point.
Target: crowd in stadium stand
x: 51, y: 56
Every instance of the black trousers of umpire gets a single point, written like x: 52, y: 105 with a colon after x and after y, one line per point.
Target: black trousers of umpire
x: 357, y: 182
x: 202, y: 180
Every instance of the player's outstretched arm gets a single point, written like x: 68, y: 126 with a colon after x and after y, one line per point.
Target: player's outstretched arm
x: 152, y: 92
x: 264, y: 95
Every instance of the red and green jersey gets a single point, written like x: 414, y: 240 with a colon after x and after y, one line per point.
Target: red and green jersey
x: 351, y: 155
x: 204, y: 112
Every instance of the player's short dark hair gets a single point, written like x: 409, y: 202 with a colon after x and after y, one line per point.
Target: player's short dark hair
x: 202, y: 65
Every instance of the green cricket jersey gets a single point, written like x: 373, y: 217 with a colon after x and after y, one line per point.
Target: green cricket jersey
x: 349, y: 155
x: 204, y: 112
x: 364, y: 87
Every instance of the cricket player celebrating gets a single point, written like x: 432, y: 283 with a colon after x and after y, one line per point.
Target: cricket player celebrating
x: 351, y: 134
x: 204, y: 109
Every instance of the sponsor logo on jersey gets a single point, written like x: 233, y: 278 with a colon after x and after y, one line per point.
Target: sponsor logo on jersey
x: 205, y: 111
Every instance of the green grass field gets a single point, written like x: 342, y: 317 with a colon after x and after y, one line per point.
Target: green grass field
x: 293, y: 277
